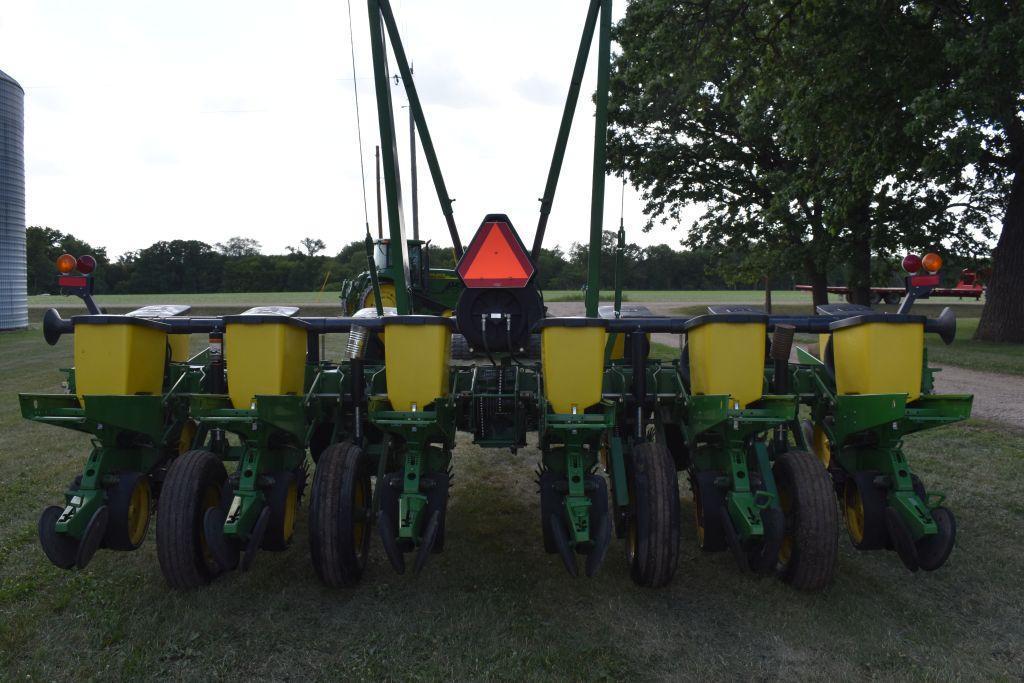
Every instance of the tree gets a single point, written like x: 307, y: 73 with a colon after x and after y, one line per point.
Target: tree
x: 239, y: 246
x: 789, y: 122
x: 308, y: 245
x: 688, y: 131
x: 976, y: 113
x: 177, y: 266
x: 43, y: 246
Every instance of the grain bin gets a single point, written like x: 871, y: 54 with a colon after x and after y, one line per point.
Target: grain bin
x: 13, y: 294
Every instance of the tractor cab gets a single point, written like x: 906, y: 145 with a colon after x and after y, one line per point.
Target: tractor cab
x: 432, y: 291
x: 419, y: 256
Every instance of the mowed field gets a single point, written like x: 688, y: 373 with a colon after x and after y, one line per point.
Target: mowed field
x: 493, y: 605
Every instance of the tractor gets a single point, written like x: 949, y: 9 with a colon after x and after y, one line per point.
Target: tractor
x: 435, y: 290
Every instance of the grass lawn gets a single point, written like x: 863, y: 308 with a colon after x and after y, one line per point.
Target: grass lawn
x: 976, y: 355
x: 494, y: 605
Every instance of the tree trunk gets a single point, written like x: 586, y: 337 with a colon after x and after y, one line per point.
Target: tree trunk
x: 1002, y: 318
x: 859, y: 280
x: 819, y: 284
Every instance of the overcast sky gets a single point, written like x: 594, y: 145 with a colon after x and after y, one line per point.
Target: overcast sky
x: 207, y: 119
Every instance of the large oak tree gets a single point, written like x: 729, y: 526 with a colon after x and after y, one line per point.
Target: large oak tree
x: 792, y: 123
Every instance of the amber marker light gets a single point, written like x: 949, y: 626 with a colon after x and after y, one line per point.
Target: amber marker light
x: 932, y: 262
x: 66, y: 263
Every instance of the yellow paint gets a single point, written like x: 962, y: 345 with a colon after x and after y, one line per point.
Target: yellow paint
x: 179, y: 347
x: 572, y: 360
x: 139, y: 507
x: 820, y: 446
x: 698, y: 516
x: 822, y: 343
x: 115, y: 359
x: 291, y: 504
x: 188, y: 434
x: 416, y: 358
x: 879, y: 358
x: 727, y: 358
x: 853, y: 511
x: 265, y: 359
x: 387, y: 296
x: 619, y: 346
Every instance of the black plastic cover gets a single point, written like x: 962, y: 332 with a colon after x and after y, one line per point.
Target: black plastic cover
x: 571, y: 322
x: 726, y: 309
x: 417, y: 320
x: 844, y: 309
x: 878, y: 318
x: 105, y: 319
x: 264, y: 320
x: 746, y: 317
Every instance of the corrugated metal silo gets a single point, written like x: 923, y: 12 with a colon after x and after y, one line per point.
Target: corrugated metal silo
x: 13, y: 299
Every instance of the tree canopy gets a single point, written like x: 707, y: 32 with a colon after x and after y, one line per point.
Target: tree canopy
x: 797, y: 128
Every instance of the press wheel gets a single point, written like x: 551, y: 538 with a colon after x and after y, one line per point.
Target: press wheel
x: 192, y: 486
x: 130, y: 502
x: 864, y: 511
x: 653, y: 537
x: 810, y: 543
x: 339, y: 514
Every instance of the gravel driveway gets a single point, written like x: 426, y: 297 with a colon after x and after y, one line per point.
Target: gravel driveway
x: 996, y: 397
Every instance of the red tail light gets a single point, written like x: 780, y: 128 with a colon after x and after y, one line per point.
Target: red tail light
x: 911, y: 263
x: 86, y: 264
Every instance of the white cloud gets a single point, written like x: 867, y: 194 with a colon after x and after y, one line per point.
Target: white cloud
x: 203, y: 120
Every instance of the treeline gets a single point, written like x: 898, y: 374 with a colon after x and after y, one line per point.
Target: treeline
x: 191, y: 266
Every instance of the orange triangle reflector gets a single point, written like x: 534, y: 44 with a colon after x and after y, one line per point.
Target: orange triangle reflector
x: 495, y: 257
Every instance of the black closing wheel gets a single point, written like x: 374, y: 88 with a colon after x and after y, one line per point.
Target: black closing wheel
x: 339, y: 514
x: 192, y: 486
x: 902, y: 539
x: 934, y: 550
x: 60, y: 549
x: 283, y: 501
x: 653, y: 537
x: 600, y: 524
x: 255, y: 541
x: 807, y: 556
x: 763, y: 558
x: 130, y: 503
x: 437, y: 485
x: 92, y: 537
x: 550, y: 505
x: 864, y: 511
x: 387, y: 520
x: 708, y: 500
